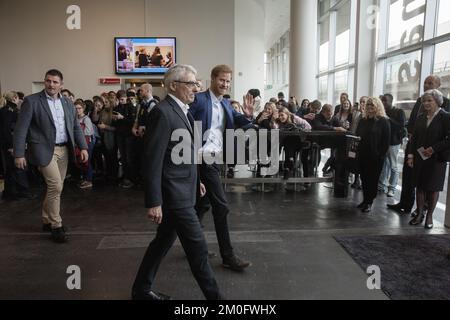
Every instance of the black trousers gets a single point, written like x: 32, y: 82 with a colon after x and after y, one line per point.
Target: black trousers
x: 16, y: 180
x: 185, y: 224
x: 370, y: 174
x: 215, y: 196
x: 408, y: 195
x: 126, y: 144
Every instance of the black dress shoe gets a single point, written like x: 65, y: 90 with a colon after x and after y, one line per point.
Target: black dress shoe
x: 396, y: 207
x: 367, y: 208
x: 150, y: 296
x: 47, y: 227
x: 417, y: 220
x: 361, y: 205
x: 236, y: 264
x: 59, y: 235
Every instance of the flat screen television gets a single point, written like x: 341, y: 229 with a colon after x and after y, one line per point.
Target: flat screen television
x: 144, y: 55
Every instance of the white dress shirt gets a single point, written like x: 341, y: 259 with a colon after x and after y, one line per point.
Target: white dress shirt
x: 184, y: 107
x: 214, y: 140
x: 57, y: 111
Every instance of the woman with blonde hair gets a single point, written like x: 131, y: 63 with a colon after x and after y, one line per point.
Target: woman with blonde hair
x: 374, y: 130
x: 267, y: 118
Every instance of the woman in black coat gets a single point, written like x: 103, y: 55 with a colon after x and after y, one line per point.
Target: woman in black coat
x: 430, y: 138
x: 374, y: 130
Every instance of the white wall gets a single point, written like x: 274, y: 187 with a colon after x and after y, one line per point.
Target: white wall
x: 204, y: 30
x: 249, y: 47
x: 35, y: 38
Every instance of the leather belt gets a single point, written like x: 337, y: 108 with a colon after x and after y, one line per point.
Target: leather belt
x: 61, y: 144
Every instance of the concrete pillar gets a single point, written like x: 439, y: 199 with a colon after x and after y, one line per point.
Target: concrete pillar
x: 303, y: 53
x: 365, y: 48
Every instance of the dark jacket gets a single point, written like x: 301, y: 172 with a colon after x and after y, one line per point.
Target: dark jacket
x: 35, y: 128
x: 397, y: 118
x: 173, y: 186
x: 429, y: 174
x: 417, y: 111
x: 321, y: 124
x: 8, y: 119
x: 124, y: 126
x: 375, y: 138
x: 437, y: 135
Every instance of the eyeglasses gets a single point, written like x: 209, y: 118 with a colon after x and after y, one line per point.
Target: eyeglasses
x: 190, y: 84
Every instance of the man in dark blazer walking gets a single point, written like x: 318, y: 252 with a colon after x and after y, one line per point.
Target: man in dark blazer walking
x: 217, y: 115
x: 48, y: 131
x: 171, y: 189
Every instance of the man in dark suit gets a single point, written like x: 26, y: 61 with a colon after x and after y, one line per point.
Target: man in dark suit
x: 408, y: 195
x: 171, y: 189
x: 48, y: 129
x: 217, y: 115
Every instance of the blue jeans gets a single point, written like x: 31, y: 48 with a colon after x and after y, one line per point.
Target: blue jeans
x: 390, y: 174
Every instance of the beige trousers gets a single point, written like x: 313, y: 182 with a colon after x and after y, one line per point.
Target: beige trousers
x: 54, y: 175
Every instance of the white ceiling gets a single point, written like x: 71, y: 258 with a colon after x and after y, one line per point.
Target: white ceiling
x: 277, y: 19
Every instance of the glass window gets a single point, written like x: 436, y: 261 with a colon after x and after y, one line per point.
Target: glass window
x: 324, y: 6
x: 284, y: 67
x: 340, y: 85
x: 279, y: 70
x: 323, y: 89
x: 273, y: 70
x: 343, y: 35
x: 402, y: 79
x: 324, y: 44
x: 444, y: 17
x: 406, y: 21
x: 442, y: 66
x: 266, y: 67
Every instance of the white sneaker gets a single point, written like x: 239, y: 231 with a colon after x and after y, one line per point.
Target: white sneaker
x: 85, y: 185
x: 391, y: 193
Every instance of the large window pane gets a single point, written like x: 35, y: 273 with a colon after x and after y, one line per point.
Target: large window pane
x: 340, y: 84
x: 406, y: 21
x: 402, y: 79
x: 324, y: 44
x: 444, y: 17
x: 442, y: 66
x: 324, y: 6
x: 343, y: 35
x: 323, y: 89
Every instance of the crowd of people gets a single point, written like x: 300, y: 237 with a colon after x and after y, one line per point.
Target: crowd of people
x: 114, y: 123
x: 123, y: 138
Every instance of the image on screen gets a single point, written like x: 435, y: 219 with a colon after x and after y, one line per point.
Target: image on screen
x: 144, y: 55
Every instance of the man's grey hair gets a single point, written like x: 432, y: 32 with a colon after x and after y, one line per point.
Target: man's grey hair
x: 176, y: 73
x: 147, y: 86
x: 436, y: 95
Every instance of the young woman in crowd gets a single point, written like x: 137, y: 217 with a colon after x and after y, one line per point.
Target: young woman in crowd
x: 357, y: 115
x: 109, y: 146
x: 375, y: 131
x: 88, y: 130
